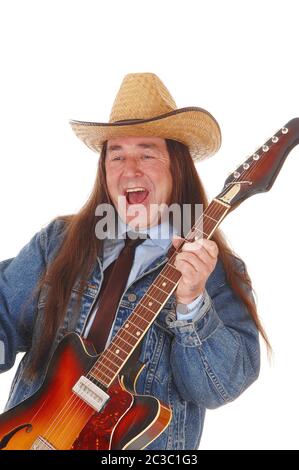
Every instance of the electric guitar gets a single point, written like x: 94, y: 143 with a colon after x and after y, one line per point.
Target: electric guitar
x: 87, y: 401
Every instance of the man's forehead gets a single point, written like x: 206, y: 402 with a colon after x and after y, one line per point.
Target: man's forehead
x: 138, y: 142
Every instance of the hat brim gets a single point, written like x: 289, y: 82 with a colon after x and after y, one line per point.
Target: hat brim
x: 193, y: 126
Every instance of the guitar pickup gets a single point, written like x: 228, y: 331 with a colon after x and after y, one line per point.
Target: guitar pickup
x: 90, y: 393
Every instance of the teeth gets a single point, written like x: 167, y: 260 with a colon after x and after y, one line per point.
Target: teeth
x: 131, y: 190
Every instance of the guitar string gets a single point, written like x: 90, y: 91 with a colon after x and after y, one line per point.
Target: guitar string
x: 257, y: 162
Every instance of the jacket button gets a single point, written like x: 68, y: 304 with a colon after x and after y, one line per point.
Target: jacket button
x: 132, y: 297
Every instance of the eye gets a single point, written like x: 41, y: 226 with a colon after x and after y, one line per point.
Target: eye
x: 145, y: 157
x: 116, y: 158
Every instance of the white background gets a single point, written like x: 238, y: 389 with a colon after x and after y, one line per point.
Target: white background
x: 65, y: 59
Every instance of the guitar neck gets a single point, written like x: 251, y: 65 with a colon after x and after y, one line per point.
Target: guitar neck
x: 112, y: 360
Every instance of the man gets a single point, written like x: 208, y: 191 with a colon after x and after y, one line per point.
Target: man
x: 202, y: 351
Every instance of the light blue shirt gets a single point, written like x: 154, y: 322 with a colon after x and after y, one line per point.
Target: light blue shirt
x: 145, y: 254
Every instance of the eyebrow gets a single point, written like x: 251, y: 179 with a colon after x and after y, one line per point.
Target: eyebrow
x: 144, y: 146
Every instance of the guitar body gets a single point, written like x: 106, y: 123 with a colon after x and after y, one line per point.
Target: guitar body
x: 54, y: 418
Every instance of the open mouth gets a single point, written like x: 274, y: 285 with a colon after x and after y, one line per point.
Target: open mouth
x: 136, y: 195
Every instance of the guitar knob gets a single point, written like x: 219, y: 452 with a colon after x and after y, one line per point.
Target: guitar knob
x: 265, y: 148
x: 284, y: 130
x: 246, y: 166
x: 255, y: 156
x: 237, y: 174
x: 274, y: 139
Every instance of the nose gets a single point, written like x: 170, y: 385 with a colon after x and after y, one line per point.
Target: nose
x: 132, y: 167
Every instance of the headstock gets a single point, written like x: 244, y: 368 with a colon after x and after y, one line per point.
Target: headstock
x: 258, y: 173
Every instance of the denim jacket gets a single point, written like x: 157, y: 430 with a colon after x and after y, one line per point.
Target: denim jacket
x: 191, y: 365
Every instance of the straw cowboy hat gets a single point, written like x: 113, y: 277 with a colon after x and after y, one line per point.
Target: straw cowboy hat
x: 143, y: 107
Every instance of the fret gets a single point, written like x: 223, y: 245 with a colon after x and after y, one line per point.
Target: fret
x: 172, y: 271
x: 110, y: 351
x: 126, y: 338
x: 116, y: 351
x: 138, y: 320
x: 170, y: 265
x: 132, y: 324
x: 132, y: 330
x: 209, y: 217
x: 164, y: 282
x: 150, y: 302
x: 200, y: 233
x: 121, y: 343
x: 105, y: 371
x: 150, y: 310
x: 110, y: 357
x: 111, y: 362
x: 135, y: 329
x: 98, y: 374
x: 139, y: 317
x: 209, y: 223
x: 100, y: 379
x: 135, y: 340
x: 158, y: 292
x: 203, y: 234
x: 146, y: 314
x: 166, y: 278
x: 216, y: 206
x: 162, y: 290
x: 219, y: 212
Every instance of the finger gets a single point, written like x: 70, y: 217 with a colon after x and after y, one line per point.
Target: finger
x: 204, y: 256
x: 191, y: 259
x: 200, y: 260
x: 200, y: 252
x: 177, y: 241
x: 202, y: 246
x: 187, y: 270
x: 211, y: 248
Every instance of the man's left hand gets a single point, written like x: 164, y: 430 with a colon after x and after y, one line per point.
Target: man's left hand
x: 196, y: 262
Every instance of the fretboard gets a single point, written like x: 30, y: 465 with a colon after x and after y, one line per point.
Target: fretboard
x: 111, y: 361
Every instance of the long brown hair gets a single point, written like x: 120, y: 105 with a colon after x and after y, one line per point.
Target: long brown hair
x: 80, y: 248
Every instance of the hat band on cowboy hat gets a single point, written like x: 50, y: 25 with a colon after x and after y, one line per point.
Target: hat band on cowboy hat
x: 143, y: 107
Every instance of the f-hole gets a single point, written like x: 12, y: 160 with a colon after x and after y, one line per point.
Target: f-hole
x: 5, y: 440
